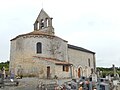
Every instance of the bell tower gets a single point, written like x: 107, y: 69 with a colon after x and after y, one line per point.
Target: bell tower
x: 43, y: 23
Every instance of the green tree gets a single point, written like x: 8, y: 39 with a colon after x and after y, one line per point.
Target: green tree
x: 5, y: 64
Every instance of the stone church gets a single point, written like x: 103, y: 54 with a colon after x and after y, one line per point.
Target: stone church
x: 43, y: 54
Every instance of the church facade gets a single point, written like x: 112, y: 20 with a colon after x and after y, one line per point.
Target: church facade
x: 41, y: 53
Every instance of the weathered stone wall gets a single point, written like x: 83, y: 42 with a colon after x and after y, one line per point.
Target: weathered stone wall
x: 40, y: 68
x: 23, y: 50
x: 51, y: 47
x: 62, y: 74
x: 16, y: 54
x: 79, y: 59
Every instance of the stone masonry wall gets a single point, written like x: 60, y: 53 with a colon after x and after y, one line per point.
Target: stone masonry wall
x: 79, y: 59
x: 23, y: 49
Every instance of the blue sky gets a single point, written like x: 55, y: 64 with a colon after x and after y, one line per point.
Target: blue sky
x: 91, y: 24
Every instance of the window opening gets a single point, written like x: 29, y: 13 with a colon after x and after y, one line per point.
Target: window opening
x: 39, y: 47
x: 89, y: 62
x: 66, y: 68
x: 42, y: 23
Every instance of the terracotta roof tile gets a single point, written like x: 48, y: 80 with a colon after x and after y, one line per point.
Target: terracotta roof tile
x: 54, y: 60
x: 32, y: 33
x: 36, y: 33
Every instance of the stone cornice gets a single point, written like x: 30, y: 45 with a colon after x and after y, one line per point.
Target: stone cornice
x: 36, y: 35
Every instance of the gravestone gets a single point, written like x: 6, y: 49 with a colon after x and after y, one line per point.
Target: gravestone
x: 94, y: 77
x: 3, y: 71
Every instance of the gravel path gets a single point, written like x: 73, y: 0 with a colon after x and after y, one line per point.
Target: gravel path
x: 32, y: 83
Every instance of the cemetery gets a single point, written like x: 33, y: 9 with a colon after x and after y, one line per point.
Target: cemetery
x: 6, y: 80
x: 94, y: 82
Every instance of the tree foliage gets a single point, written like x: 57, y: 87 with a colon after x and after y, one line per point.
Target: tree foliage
x: 108, y: 71
x: 5, y: 64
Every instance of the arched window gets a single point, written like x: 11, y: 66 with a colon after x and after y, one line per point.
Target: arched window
x: 42, y: 23
x: 39, y: 47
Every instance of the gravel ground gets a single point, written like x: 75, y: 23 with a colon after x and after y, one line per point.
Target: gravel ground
x: 32, y: 83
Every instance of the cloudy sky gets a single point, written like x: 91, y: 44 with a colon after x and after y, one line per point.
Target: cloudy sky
x: 92, y: 24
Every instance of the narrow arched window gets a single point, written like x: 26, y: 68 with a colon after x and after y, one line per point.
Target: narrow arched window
x: 42, y: 23
x: 39, y: 47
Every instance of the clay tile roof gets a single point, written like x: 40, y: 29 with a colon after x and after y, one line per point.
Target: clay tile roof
x: 53, y: 60
x: 32, y: 33
x: 37, y: 33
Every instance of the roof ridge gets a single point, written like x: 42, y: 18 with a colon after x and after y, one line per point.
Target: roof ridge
x: 79, y: 48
